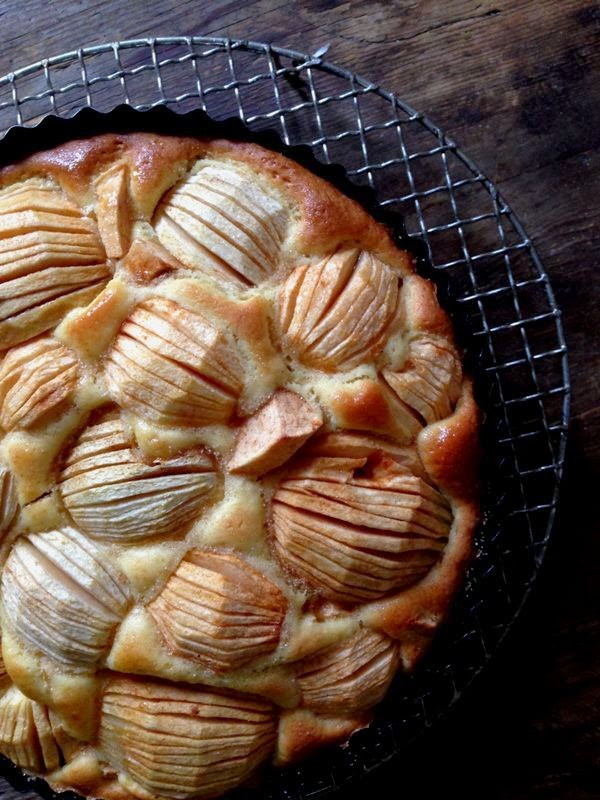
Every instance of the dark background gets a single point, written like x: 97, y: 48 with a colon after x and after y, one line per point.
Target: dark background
x: 517, y: 84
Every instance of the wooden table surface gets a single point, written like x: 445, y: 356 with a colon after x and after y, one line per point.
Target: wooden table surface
x: 517, y: 84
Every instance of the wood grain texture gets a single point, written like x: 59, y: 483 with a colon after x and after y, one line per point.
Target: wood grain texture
x: 517, y: 84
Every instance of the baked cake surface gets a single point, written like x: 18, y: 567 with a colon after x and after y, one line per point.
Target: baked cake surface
x: 238, y: 464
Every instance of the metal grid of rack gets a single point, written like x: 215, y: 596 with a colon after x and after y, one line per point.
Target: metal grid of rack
x: 501, y: 296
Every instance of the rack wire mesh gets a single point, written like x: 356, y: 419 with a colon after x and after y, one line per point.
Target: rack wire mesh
x: 496, y: 284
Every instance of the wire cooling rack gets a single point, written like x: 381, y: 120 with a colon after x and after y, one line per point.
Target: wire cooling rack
x: 500, y: 295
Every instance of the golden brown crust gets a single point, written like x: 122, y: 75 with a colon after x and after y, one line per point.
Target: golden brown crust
x: 240, y: 462
x: 451, y: 452
x: 301, y: 732
x: 328, y: 219
x: 72, y: 163
x: 422, y: 607
x: 148, y: 260
x: 155, y: 163
x: 366, y: 405
x: 92, y: 329
x: 421, y: 310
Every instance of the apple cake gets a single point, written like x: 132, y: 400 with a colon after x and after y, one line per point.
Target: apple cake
x: 238, y: 464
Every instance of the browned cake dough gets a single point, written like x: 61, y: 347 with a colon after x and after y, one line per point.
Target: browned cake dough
x: 238, y: 464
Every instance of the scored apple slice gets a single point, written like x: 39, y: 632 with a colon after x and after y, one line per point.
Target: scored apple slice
x: 350, y: 676
x: 357, y: 528
x: 219, y: 610
x: 114, y: 495
x: 335, y: 314
x: 224, y: 222
x: 51, y: 259
x: 429, y: 382
x: 37, y: 380
x: 173, y: 367
x: 26, y: 733
x: 63, y: 596
x: 182, y: 742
